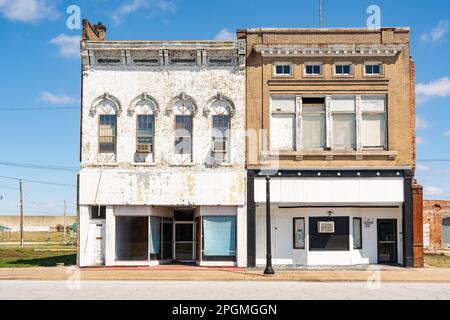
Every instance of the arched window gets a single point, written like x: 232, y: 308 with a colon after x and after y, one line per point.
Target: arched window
x: 221, y: 110
x: 184, y: 110
x: 146, y: 108
x: 107, y: 107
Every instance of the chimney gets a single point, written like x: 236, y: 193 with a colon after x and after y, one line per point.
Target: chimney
x: 101, y: 31
x: 93, y: 33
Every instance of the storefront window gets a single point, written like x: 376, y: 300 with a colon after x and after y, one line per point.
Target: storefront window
x: 155, y: 241
x: 329, y: 234
x: 131, y: 238
x: 219, y: 238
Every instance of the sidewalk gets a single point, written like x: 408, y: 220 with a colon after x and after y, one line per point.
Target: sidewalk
x: 429, y: 275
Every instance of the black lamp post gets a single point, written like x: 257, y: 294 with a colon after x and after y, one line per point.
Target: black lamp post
x: 269, y: 268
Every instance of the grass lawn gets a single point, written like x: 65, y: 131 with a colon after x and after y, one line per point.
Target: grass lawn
x: 437, y: 260
x: 33, y: 237
x: 33, y: 257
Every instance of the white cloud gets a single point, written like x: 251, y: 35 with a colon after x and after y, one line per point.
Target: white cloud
x: 421, y: 140
x: 421, y: 123
x: 151, y: 7
x: 447, y: 134
x: 56, y: 99
x: 423, y: 168
x: 68, y: 46
x: 438, y: 88
x: 433, y: 192
x: 27, y: 10
x: 437, y: 33
x: 225, y: 34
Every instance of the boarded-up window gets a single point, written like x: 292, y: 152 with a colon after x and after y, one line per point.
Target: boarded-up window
x: 373, y: 125
x: 344, y: 131
x: 283, y: 127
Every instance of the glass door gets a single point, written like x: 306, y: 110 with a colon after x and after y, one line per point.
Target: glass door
x: 387, y: 241
x: 184, y: 241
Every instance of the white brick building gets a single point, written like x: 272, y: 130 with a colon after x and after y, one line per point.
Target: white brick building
x: 150, y: 192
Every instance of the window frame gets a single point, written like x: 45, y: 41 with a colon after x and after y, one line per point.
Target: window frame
x: 373, y: 63
x: 226, y: 151
x: 343, y: 64
x: 354, y: 113
x: 100, y: 135
x: 283, y: 64
x: 322, y: 113
x: 360, y: 233
x: 152, y: 145
x: 211, y: 258
x: 183, y: 136
x: 385, y: 122
x: 295, y: 124
x: 313, y: 64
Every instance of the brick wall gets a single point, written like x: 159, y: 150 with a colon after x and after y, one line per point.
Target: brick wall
x: 396, y: 84
x: 434, y: 212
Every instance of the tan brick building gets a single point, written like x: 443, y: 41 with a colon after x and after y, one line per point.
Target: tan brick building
x: 332, y: 113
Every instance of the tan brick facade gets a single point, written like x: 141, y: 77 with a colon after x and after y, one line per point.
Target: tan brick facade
x: 397, y: 83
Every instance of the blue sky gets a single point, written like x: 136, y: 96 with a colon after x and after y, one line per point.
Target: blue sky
x: 41, y: 68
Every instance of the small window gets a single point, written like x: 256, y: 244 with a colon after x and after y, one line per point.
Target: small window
x: 313, y: 69
x: 145, y: 130
x: 221, y: 125
x: 343, y: 69
x: 98, y: 213
x: 183, y: 134
x: 283, y: 70
x: 107, y: 133
x: 373, y: 69
x: 357, y: 233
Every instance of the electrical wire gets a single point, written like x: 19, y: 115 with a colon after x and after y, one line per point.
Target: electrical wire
x: 40, y: 182
x: 42, y: 167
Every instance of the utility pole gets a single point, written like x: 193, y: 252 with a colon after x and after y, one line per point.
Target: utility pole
x: 65, y: 210
x: 320, y: 14
x: 21, y: 212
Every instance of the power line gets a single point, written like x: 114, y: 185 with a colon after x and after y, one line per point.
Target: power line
x: 38, y: 108
x: 41, y: 182
x: 37, y: 166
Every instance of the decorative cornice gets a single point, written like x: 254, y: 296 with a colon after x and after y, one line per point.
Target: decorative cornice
x: 329, y: 50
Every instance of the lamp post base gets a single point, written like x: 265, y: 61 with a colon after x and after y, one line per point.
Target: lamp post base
x: 269, y: 271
